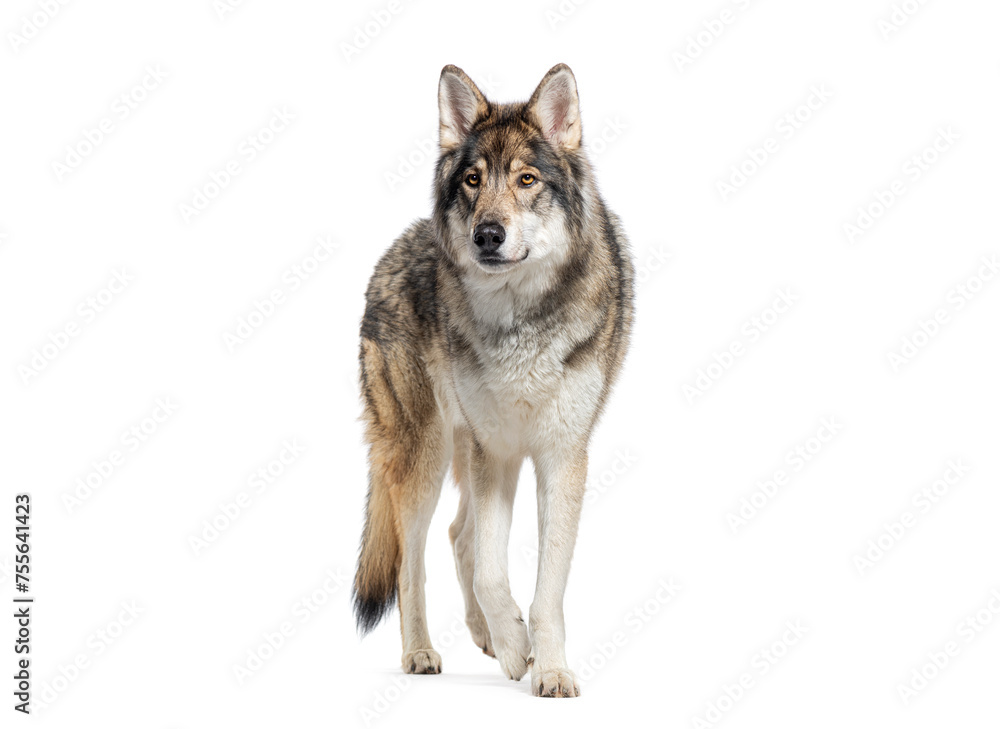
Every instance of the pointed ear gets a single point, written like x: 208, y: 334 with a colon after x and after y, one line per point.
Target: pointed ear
x: 460, y: 103
x: 555, y: 108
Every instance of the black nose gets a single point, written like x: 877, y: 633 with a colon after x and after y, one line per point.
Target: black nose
x: 489, y: 236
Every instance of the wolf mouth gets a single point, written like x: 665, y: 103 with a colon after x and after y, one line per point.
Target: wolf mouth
x: 497, y: 262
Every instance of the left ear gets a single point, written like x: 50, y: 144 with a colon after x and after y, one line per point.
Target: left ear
x: 555, y: 108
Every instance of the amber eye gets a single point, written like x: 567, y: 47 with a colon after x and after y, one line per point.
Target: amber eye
x: 527, y: 180
x: 472, y: 180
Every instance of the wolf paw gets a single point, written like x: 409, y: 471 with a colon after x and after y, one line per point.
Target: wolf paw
x: 422, y: 661
x: 555, y: 683
x: 512, y: 648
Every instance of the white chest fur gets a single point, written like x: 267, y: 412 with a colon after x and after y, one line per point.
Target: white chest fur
x: 518, y: 394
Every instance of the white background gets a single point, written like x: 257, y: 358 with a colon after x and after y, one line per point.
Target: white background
x: 662, y: 135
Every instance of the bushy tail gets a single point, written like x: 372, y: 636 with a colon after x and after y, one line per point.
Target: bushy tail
x: 378, y: 562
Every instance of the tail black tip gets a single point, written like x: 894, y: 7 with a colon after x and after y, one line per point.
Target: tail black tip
x: 369, y: 611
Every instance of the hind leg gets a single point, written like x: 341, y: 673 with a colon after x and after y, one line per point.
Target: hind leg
x: 494, y: 481
x: 463, y: 534
x: 415, y: 502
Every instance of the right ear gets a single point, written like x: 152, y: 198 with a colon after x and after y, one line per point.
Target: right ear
x: 460, y: 103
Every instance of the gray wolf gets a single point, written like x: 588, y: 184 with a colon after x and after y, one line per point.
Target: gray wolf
x: 493, y: 332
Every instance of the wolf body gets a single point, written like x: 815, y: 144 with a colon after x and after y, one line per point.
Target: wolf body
x: 493, y: 332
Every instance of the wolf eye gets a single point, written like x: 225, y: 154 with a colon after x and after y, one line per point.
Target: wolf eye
x: 472, y: 180
x: 527, y: 180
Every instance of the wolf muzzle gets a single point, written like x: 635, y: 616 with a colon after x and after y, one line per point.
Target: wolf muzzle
x: 488, y: 237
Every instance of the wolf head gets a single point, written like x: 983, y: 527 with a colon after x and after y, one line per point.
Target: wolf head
x: 512, y: 180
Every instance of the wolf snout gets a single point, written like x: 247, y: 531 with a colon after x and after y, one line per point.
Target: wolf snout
x: 489, y: 237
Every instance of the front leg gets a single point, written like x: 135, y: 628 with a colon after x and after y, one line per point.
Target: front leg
x: 561, y: 483
x: 494, y: 482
